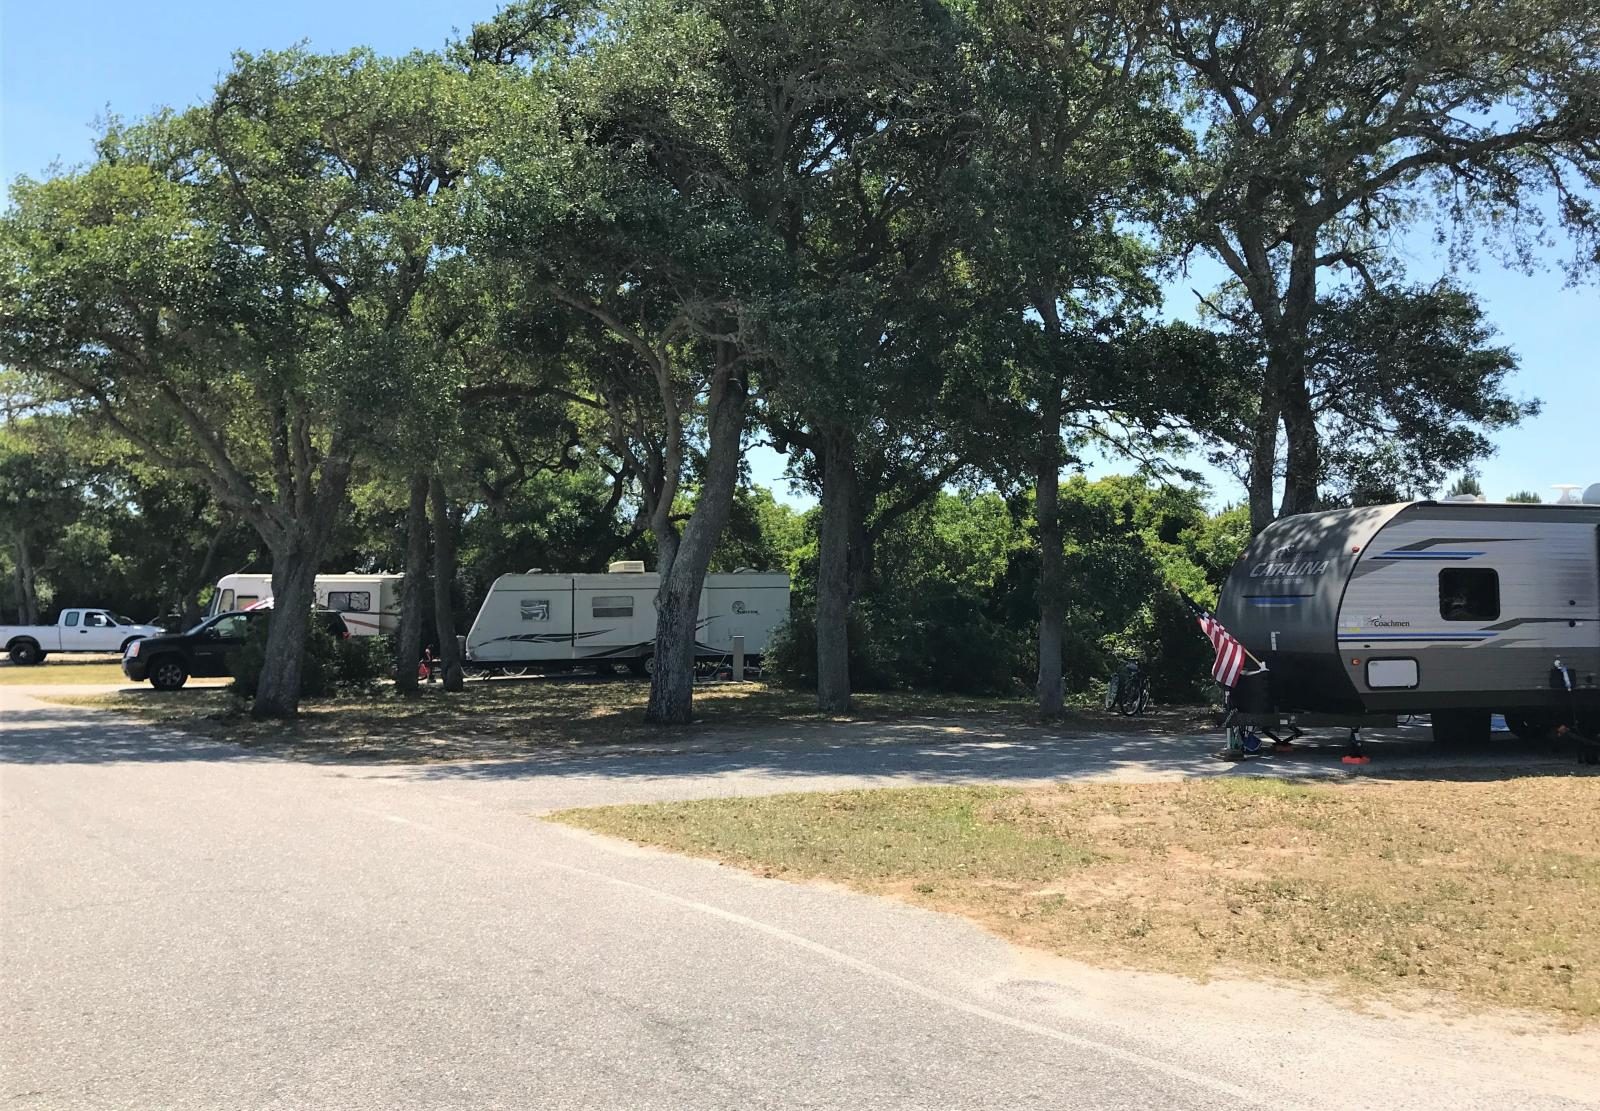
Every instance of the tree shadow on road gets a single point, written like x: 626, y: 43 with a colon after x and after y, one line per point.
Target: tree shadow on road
x: 48, y: 735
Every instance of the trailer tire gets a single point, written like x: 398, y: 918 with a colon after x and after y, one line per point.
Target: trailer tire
x: 1461, y: 727
x: 25, y: 653
x: 167, y: 673
x: 1530, y: 725
x: 642, y: 666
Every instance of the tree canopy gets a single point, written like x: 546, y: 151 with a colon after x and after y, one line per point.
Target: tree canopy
x: 525, y: 300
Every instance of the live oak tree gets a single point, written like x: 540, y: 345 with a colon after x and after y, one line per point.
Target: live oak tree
x: 852, y: 146
x: 230, y: 289
x: 621, y: 200
x: 1404, y: 384
x: 1077, y: 155
x: 1321, y: 128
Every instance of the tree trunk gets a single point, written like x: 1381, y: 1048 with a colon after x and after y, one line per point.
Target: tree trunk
x: 408, y: 641
x: 27, y: 582
x: 294, y: 589
x: 1303, y: 466
x: 1052, y: 572
x: 833, y: 571
x: 444, y: 575
x: 678, y: 600
x: 1263, y: 464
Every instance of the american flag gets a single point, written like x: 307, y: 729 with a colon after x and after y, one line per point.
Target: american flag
x: 1231, y: 655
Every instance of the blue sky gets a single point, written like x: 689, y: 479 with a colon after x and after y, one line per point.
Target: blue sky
x: 64, y: 64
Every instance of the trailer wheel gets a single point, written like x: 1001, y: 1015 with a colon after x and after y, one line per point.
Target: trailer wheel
x: 1461, y: 727
x: 1529, y: 725
x: 25, y: 653
x: 642, y: 666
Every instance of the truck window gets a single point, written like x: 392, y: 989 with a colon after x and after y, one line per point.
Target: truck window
x: 97, y: 620
x: 350, y: 601
x: 535, y: 609
x: 1469, y: 594
x: 613, y: 605
x: 232, y: 628
x: 71, y: 620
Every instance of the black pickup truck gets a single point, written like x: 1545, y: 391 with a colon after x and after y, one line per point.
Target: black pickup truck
x: 204, y: 650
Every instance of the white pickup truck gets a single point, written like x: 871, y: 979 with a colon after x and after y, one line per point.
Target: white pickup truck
x: 76, y: 630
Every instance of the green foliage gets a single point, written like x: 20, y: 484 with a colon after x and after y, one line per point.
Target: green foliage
x: 1525, y: 497
x: 1466, y: 484
x: 951, y: 604
x: 330, y: 664
x: 362, y: 661
x: 318, y: 673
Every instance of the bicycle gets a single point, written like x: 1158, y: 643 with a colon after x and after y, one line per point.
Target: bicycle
x: 1128, y: 692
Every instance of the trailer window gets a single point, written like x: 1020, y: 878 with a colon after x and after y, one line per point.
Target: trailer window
x: 1469, y: 594
x: 246, y: 601
x: 227, y: 601
x: 350, y: 601
x: 613, y: 605
x: 535, y: 609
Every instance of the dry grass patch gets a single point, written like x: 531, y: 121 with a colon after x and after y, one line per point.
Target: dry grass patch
x: 1487, y: 890
x: 87, y: 670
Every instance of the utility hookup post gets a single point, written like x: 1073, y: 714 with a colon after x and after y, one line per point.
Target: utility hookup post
x: 738, y: 659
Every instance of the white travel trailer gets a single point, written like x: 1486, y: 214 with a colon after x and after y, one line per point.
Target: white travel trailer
x: 552, y: 622
x: 370, y: 603
x: 1458, y: 609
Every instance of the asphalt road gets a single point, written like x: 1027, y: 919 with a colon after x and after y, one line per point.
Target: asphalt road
x: 183, y: 924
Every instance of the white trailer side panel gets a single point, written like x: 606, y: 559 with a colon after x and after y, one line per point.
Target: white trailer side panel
x: 745, y: 604
x: 524, y: 618
x: 1475, y: 604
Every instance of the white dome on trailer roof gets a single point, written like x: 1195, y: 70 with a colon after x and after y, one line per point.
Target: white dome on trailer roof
x: 1591, y: 496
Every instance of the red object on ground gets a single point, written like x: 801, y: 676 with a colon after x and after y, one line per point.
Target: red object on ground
x: 1355, y: 759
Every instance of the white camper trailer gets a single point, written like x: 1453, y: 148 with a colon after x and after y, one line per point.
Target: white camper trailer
x: 552, y: 622
x: 370, y: 604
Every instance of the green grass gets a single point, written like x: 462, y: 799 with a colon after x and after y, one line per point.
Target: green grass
x: 507, y: 718
x: 1488, y: 891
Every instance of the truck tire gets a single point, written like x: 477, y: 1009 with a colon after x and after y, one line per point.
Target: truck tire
x: 25, y: 653
x: 168, y: 673
x: 1461, y: 727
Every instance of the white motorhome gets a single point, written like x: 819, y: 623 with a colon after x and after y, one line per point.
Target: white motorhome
x: 553, y: 621
x: 370, y: 603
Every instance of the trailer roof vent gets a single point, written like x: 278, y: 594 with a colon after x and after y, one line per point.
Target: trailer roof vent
x: 1566, y: 493
x: 1591, y: 496
x: 627, y: 567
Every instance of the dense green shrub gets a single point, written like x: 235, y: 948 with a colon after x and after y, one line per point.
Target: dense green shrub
x: 319, y: 673
x: 363, y: 661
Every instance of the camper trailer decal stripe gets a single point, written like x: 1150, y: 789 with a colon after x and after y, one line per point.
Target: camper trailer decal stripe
x: 1416, y: 636
x: 1277, y: 599
x: 1399, y: 554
